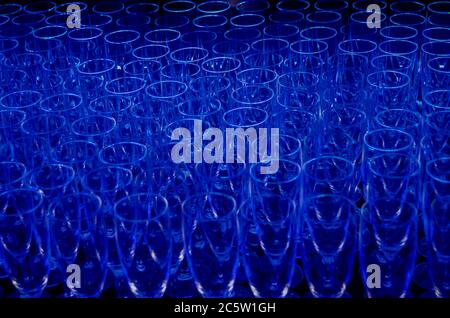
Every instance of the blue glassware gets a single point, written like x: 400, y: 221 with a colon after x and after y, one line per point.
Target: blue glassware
x: 437, y: 199
x: 268, y: 229
x: 328, y: 244
x: 387, y: 247
x: 211, y: 242
x: 144, y: 243
x: 79, y: 231
x: 26, y: 240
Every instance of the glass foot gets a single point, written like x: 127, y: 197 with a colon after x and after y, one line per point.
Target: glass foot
x: 422, y: 276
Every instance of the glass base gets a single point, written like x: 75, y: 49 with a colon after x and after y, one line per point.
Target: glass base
x: 422, y: 276
x: 298, y: 277
x: 182, y: 288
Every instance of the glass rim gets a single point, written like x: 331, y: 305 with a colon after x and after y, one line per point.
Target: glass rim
x: 120, y: 145
x: 402, y: 57
x: 119, y: 185
x: 299, y: 42
x: 266, y: 6
x: 300, y: 16
x: 429, y: 6
x: 36, y: 206
x: 132, y: 73
x: 238, y: 29
x: 423, y: 6
x: 183, y: 24
x: 40, y: 16
x: 108, y: 18
x: 435, y: 69
x: 344, y: 2
x: 258, y: 87
x: 26, y: 8
x: 205, y: 99
x: 178, y: 35
x: 127, y: 78
x: 215, y: 16
x: 165, y: 51
x: 374, y: 44
x: 6, y: 19
x: 58, y: 200
x: 246, y: 15
x: 111, y: 96
x: 150, y: 4
x: 254, y: 109
x: 193, y: 67
x: 331, y: 157
x: 23, y: 168
x: 397, y: 131
x: 102, y: 71
x: 204, y: 79
x: 14, y: 43
x: 304, y: 2
x: 397, y: 26
x: 415, y: 114
x: 75, y: 62
x: 434, y: 43
x: 193, y: 6
x: 107, y: 3
x: 427, y: 97
x: 356, y: 3
x: 273, y: 54
x: 372, y: 83
x: 62, y: 125
x: 432, y: 174
x: 135, y: 22
x: 72, y: 142
x: 438, y: 28
x: 83, y: 6
x: 333, y: 31
x: 437, y: 114
x: 193, y: 48
x: 383, y: 50
x: 206, y: 196
x: 69, y: 177
x: 236, y: 61
x: 305, y: 87
x: 295, y: 31
x: 214, y: 35
x: 159, y: 215
x: 39, y: 97
x: 245, y: 48
x: 91, y: 37
x: 47, y: 99
x: 254, y: 166
x: 97, y: 134
x: 383, y: 17
x: 338, y: 16
x: 226, y: 3
x: 416, y: 15
x: 132, y: 39
x: 163, y: 82
x: 12, y: 110
x: 263, y: 69
x: 18, y: 7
